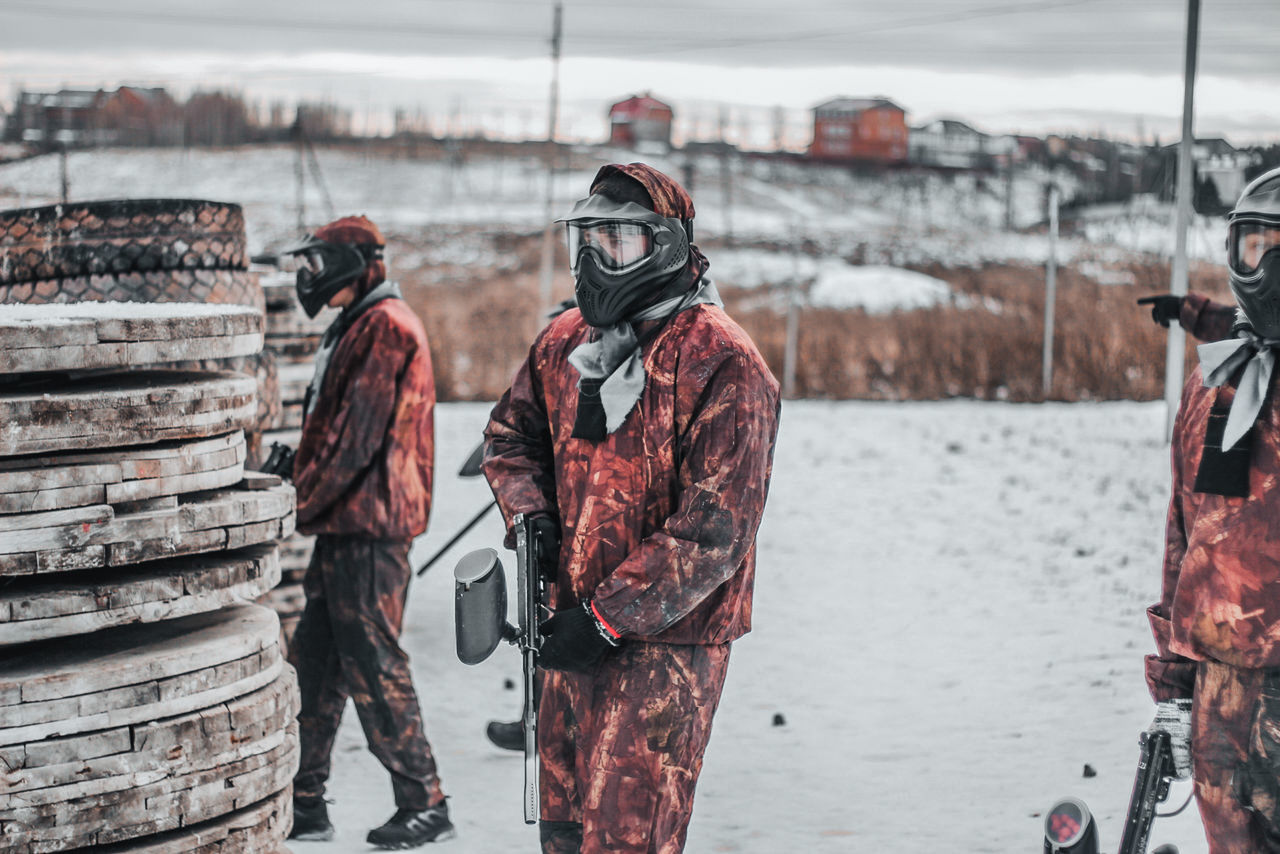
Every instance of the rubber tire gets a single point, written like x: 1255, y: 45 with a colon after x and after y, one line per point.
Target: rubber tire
x: 120, y: 236
x: 237, y: 287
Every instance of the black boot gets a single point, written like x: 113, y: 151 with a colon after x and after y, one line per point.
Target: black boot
x: 410, y: 828
x: 507, y: 736
x: 311, y: 821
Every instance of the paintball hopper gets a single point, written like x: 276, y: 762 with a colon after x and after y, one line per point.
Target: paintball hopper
x: 1069, y: 829
x: 480, y: 606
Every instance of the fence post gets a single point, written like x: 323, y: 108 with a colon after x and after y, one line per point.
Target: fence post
x: 1051, y: 290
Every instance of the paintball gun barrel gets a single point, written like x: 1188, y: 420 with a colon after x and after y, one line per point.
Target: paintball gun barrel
x: 480, y: 614
x: 1069, y: 827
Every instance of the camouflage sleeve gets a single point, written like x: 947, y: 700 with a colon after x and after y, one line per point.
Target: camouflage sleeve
x: 1205, y: 319
x: 1169, y: 675
x: 518, y: 458
x: 726, y: 455
x: 378, y: 354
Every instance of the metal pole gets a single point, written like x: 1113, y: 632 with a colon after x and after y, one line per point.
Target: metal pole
x: 66, y: 183
x: 299, y: 177
x: 793, y: 322
x: 549, y: 229
x: 1050, y: 293
x: 1176, y: 345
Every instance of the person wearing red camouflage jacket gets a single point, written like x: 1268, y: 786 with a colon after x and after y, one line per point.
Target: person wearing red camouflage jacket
x: 363, y: 472
x: 1203, y: 319
x: 1216, y: 672
x: 640, y: 429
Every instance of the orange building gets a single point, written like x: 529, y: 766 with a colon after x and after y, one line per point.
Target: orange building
x: 640, y: 118
x: 872, y: 130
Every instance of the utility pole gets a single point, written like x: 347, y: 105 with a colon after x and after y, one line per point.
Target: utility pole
x: 726, y: 180
x: 1176, y: 349
x: 549, y: 229
x: 1050, y: 293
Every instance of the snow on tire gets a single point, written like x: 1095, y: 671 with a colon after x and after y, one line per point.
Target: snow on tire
x: 120, y: 236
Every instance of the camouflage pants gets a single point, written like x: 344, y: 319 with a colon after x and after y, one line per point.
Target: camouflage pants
x: 621, y: 748
x: 348, y: 644
x: 1235, y: 781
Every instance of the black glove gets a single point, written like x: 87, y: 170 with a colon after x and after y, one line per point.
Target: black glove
x: 573, y: 639
x: 279, y: 461
x: 546, y: 533
x: 1164, y: 308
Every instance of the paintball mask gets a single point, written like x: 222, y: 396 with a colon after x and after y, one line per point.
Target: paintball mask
x: 622, y: 256
x: 1253, y: 253
x: 325, y: 268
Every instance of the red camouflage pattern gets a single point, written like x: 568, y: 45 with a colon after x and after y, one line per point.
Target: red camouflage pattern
x: 1220, y: 597
x: 1206, y: 319
x: 1224, y: 727
x: 364, y: 462
x: 347, y: 643
x: 669, y: 198
x: 621, y: 748
x: 658, y: 521
x: 1217, y: 625
x: 658, y: 525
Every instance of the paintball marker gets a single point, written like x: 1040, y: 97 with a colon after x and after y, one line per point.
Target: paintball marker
x: 480, y: 622
x: 279, y: 461
x: 1069, y: 827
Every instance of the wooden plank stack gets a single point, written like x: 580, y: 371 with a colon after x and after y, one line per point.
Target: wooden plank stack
x: 145, y: 702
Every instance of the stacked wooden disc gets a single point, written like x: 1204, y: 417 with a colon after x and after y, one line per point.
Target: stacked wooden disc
x: 293, y: 338
x: 186, y: 725
x: 144, y: 703
x: 140, y: 250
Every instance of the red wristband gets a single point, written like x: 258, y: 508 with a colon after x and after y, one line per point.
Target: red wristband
x: 603, y: 623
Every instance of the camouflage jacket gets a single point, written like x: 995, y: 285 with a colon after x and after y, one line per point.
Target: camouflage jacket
x: 364, y: 462
x: 1206, y: 319
x: 658, y: 520
x: 1220, y: 596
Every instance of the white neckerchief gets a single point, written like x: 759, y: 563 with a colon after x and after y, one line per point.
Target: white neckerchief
x: 1221, y: 359
x: 615, y: 356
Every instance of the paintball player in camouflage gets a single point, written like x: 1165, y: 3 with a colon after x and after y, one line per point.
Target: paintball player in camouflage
x: 1216, y: 672
x: 363, y: 476
x: 641, y: 430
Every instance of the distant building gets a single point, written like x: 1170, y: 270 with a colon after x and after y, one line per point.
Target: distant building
x: 638, y: 120
x: 67, y: 117
x: 869, y: 130
x: 1214, y: 160
x: 951, y: 144
x: 81, y: 117
x: 136, y: 116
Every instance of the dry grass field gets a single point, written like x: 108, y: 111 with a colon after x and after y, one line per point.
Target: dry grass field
x: 482, y: 319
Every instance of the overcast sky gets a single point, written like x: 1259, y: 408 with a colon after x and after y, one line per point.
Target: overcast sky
x: 1035, y: 66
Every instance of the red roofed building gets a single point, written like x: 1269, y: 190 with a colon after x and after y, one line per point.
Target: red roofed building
x: 859, y: 129
x: 639, y: 119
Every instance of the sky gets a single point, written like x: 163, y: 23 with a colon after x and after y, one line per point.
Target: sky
x: 751, y: 70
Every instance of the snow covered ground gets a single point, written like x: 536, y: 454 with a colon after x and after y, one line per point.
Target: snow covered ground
x: 948, y: 616
x: 949, y: 606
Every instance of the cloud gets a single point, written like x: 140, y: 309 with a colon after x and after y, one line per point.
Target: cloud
x: 1027, y: 65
